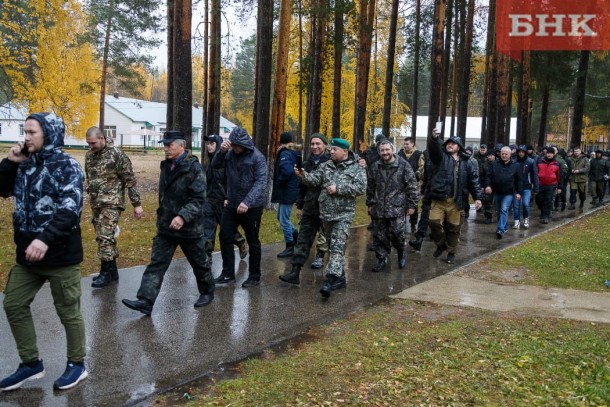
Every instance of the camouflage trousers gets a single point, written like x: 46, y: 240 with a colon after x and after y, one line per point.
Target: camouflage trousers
x: 388, y: 232
x: 445, y: 223
x: 336, y: 235
x: 105, y: 221
x: 163, y: 250
x: 309, y: 226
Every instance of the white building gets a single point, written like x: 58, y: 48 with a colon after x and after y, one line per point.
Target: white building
x: 131, y: 122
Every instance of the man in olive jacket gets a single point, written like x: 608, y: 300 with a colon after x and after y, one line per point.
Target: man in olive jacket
x: 182, y: 192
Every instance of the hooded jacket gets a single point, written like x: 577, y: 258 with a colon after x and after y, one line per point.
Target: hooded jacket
x: 181, y: 193
x: 529, y: 173
x: 216, y: 178
x: 48, y: 192
x: 246, y: 172
x: 285, y: 181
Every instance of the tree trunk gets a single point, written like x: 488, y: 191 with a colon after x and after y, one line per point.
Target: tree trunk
x: 414, y: 108
x: 104, y: 72
x: 389, y: 72
x: 300, y: 137
x: 206, y: 61
x: 509, y: 105
x: 523, y: 104
x: 183, y: 77
x: 213, y: 106
x: 501, y: 136
x: 365, y: 34
x: 451, y: 8
x: 464, y: 81
x: 579, y: 98
x: 264, y: 45
x: 278, y: 111
x: 489, y: 47
x: 543, y: 115
x: 436, y: 66
x: 315, y: 107
x: 457, y: 61
x: 169, y: 120
x: 338, y: 56
x: 492, y: 109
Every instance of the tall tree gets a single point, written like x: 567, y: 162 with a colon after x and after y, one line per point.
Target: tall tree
x: 451, y: 5
x: 489, y: 55
x: 414, y: 106
x: 366, y: 17
x: 213, y: 91
x: 206, y: 60
x: 465, y: 68
x: 183, y: 71
x: 262, y: 88
x: 169, y: 120
x: 523, y: 100
x: 389, y: 72
x: 318, y: 38
x: 120, y: 31
x: 337, y: 65
x: 579, y: 98
x: 436, y: 66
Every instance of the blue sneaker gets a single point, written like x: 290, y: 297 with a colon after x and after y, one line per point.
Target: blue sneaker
x: 23, y: 373
x: 74, y: 373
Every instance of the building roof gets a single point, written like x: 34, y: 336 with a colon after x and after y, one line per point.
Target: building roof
x: 154, y: 113
x: 9, y: 111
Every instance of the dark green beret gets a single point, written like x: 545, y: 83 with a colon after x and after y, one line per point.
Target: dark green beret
x: 339, y: 142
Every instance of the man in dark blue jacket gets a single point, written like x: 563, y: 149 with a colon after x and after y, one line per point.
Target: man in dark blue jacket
x: 182, y: 190
x: 286, y: 188
x: 246, y: 170
x: 504, y: 181
x: 47, y: 186
x: 529, y: 173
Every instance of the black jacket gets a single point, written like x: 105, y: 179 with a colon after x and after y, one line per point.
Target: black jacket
x: 505, y: 179
x: 308, y: 196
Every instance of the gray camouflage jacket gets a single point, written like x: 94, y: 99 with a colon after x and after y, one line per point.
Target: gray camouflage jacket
x: 350, y: 180
x: 391, y: 190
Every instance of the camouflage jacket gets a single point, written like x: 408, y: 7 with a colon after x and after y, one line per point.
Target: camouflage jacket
x: 391, y: 190
x: 182, y: 192
x: 109, y: 173
x: 350, y: 180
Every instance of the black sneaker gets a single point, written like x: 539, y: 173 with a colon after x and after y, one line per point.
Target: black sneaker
x: 416, y: 244
x: 450, y: 258
x: 251, y: 282
x: 204, y: 299
x: 21, y: 375
x: 224, y: 279
x: 143, y: 306
x: 74, y: 373
x: 439, y: 250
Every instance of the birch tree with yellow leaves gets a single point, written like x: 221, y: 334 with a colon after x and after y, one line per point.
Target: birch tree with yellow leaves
x: 48, y: 69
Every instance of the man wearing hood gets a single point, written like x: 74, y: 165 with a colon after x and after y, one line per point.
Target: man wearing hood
x: 600, y: 170
x: 182, y: 190
x: 342, y: 179
x: 108, y: 173
x: 246, y: 170
x: 549, y: 180
x: 47, y: 186
x: 216, y: 182
x: 286, y: 189
x: 452, y: 174
x: 529, y: 173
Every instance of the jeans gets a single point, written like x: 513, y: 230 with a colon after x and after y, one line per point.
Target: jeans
x: 283, y: 216
x: 503, y: 203
x: 524, y: 203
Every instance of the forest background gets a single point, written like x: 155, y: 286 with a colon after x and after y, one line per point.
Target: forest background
x: 341, y: 67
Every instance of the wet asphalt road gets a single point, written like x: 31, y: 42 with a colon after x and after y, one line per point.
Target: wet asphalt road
x: 131, y: 357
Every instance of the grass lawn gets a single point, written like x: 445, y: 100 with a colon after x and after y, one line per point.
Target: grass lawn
x: 406, y: 353
x: 573, y: 256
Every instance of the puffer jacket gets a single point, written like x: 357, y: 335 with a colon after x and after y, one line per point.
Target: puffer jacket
x: 48, y: 191
x: 442, y: 167
x: 308, y: 195
x: 246, y: 172
x: 391, y: 189
x: 285, y: 182
x: 549, y: 173
x: 182, y: 193
x: 350, y: 181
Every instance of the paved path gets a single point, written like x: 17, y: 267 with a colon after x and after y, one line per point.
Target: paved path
x: 131, y: 357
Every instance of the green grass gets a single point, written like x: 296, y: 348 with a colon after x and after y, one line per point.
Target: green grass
x: 405, y: 353
x: 573, y: 256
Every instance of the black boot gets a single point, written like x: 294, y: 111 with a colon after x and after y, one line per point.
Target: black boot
x: 288, y: 251
x: 402, y: 260
x: 380, y: 266
x: 413, y: 227
x: 105, y: 276
x: 416, y: 244
x: 488, y: 219
x: 292, y: 276
x: 295, y: 236
x: 327, y: 286
x: 114, y: 271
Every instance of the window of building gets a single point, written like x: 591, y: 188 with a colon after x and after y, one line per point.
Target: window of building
x: 110, y: 131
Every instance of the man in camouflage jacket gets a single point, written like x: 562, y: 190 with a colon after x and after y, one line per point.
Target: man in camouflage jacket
x: 391, y: 194
x: 342, y: 179
x: 109, y: 173
x: 182, y: 194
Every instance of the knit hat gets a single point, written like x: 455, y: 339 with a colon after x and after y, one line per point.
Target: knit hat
x: 320, y: 136
x: 339, y: 142
x: 285, y: 138
x: 379, y: 137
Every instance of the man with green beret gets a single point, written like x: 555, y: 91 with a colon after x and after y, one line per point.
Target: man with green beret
x: 341, y: 180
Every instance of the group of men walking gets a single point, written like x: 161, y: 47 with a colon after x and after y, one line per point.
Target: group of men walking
x: 227, y: 190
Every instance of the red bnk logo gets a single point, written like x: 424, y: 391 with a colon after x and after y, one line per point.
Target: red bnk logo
x: 552, y: 25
